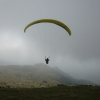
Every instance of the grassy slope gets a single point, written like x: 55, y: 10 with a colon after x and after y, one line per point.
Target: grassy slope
x: 38, y: 75
x: 29, y: 76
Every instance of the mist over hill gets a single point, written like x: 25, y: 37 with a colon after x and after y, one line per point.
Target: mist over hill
x: 38, y: 75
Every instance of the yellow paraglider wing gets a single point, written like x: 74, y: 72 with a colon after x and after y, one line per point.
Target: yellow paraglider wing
x: 49, y: 21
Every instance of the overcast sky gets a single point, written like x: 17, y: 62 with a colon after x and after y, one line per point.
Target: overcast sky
x: 78, y: 55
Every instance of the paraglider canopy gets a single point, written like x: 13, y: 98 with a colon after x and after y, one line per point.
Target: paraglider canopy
x: 49, y: 21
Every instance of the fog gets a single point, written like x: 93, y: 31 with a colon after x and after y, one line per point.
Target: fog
x: 78, y: 55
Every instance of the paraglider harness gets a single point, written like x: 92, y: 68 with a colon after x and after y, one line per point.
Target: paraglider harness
x: 47, y: 59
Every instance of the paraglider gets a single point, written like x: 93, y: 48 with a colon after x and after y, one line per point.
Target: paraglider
x: 62, y: 25
x: 47, y: 60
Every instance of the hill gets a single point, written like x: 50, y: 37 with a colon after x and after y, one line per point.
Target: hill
x: 38, y: 75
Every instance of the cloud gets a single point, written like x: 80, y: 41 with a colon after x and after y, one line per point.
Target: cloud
x: 78, y: 54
